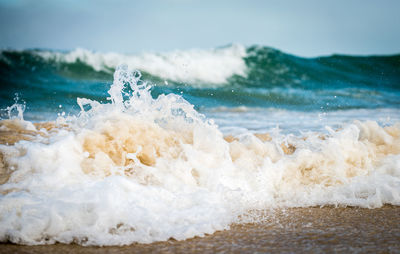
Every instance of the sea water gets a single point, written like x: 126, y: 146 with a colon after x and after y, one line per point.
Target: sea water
x: 112, y: 149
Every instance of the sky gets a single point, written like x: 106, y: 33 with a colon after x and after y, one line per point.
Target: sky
x: 305, y: 28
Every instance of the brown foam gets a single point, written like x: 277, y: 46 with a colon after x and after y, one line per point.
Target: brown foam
x: 263, y: 136
x: 13, y: 131
x: 288, y: 149
x: 111, y: 145
x: 4, y: 172
x: 230, y: 138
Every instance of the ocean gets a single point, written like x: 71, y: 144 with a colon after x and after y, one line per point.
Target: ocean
x: 114, y: 149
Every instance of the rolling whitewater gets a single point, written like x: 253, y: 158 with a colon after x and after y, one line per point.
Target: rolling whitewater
x: 115, y: 149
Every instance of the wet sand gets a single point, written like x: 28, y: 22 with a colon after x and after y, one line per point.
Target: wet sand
x: 294, y: 230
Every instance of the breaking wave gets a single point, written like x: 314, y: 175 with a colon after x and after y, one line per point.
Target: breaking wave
x: 144, y: 169
x: 231, y: 76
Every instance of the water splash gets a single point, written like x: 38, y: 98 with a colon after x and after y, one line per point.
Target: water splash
x: 15, y: 111
x: 139, y: 169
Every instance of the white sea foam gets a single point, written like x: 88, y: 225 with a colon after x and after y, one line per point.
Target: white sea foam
x: 234, y: 121
x: 145, y: 170
x: 197, y: 66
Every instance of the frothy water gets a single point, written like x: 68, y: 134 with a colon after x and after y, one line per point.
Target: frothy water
x: 144, y: 169
x: 212, y: 67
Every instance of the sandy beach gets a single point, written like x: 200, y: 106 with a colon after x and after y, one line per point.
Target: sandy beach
x: 295, y: 230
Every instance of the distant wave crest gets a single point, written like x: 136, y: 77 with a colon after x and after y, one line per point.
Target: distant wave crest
x: 213, y: 66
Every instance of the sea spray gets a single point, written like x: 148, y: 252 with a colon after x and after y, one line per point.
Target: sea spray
x: 139, y: 169
x: 14, y: 111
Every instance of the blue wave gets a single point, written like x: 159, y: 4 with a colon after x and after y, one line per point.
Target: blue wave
x: 272, y: 79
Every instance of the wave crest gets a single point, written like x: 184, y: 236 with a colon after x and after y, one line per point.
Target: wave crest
x: 213, y: 66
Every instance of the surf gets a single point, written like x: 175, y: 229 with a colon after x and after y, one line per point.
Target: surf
x: 141, y: 168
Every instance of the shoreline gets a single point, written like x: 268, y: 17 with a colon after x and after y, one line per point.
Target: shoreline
x: 288, y: 230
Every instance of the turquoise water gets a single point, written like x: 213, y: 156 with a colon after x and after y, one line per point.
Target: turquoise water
x: 257, y: 82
